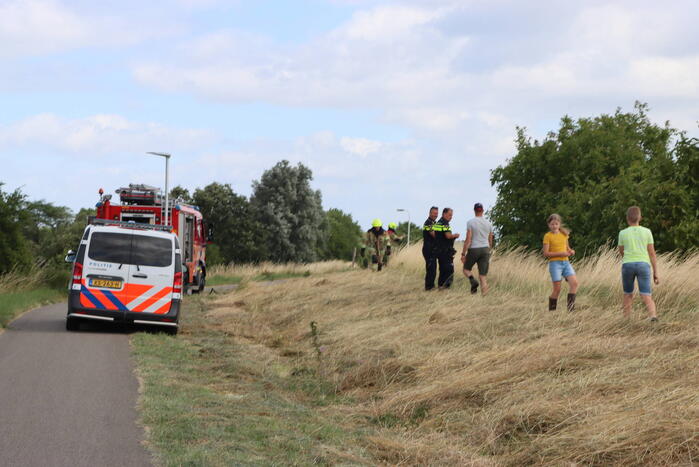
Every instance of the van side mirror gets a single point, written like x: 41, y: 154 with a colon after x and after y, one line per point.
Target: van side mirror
x: 70, y: 256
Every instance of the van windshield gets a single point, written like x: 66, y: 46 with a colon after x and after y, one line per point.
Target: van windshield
x: 130, y: 249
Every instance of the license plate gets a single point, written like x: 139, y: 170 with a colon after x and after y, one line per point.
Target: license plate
x: 105, y: 283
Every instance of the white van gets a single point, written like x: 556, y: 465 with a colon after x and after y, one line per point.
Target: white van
x: 126, y: 272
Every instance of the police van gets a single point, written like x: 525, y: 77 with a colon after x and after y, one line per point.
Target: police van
x: 127, y: 273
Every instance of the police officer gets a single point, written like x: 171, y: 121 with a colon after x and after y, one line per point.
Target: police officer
x: 444, y: 239
x: 376, y: 241
x: 428, y: 248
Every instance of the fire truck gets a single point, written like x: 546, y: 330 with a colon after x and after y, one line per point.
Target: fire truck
x: 145, y: 204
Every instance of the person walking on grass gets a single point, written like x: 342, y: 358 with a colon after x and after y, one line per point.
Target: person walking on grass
x: 558, y: 250
x: 445, y: 248
x: 375, y: 242
x: 638, y: 252
x: 476, y: 250
x: 428, y: 248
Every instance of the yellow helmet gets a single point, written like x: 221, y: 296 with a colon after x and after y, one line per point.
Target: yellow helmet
x: 392, y: 225
x: 376, y: 223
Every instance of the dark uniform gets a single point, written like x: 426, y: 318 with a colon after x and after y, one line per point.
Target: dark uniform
x: 428, y: 252
x: 444, y: 251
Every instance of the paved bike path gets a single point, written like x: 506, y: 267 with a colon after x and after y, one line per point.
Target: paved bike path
x: 67, y: 398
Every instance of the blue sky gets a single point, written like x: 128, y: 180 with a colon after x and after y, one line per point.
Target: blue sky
x: 391, y: 103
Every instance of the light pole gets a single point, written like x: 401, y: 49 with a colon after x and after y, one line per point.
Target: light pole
x: 166, y: 215
x: 409, y: 227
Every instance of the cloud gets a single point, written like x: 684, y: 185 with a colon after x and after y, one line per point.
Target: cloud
x: 360, y: 146
x: 41, y: 27
x: 97, y: 135
x: 36, y: 26
x: 435, y: 66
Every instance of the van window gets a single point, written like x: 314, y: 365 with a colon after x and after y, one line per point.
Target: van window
x: 151, y: 251
x: 130, y: 249
x: 110, y: 247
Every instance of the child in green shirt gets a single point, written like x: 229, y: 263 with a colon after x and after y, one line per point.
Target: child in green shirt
x: 636, y: 248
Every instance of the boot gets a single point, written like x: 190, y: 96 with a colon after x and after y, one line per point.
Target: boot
x: 474, y: 284
x: 571, y: 302
x: 553, y: 302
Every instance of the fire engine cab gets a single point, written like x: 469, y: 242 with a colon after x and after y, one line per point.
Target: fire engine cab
x: 143, y: 204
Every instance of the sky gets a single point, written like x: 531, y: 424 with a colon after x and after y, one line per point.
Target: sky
x: 392, y: 104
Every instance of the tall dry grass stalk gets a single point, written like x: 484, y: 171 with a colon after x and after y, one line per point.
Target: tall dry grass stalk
x: 251, y: 271
x: 449, y: 378
x: 17, y: 281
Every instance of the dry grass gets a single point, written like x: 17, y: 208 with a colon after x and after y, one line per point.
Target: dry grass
x: 448, y: 378
x: 248, y: 272
x: 15, y: 281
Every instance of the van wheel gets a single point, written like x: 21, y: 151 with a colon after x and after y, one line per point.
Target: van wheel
x: 171, y: 331
x: 72, y: 324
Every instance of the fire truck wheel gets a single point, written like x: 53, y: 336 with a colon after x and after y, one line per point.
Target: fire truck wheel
x: 202, y: 284
x: 72, y: 324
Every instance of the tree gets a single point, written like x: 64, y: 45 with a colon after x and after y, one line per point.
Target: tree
x: 47, y: 227
x: 291, y: 213
x: 181, y: 193
x: 237, y: 234
x: 590, y: 171
x: 344, y: 234
x: 415, y: 232
x: 14, y: 248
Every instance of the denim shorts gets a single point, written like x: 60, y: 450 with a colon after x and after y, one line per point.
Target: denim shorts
x: 640, y: 271
x: 560, y: 269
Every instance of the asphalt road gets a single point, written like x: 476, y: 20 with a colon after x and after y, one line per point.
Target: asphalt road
x: 67, y: 398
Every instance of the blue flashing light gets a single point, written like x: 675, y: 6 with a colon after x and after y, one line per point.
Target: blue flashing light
x: 98, y: 205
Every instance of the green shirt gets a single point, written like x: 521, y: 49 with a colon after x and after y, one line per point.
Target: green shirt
x: 635, y: 240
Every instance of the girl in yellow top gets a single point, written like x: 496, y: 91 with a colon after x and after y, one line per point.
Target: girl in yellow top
x: 557, y: 250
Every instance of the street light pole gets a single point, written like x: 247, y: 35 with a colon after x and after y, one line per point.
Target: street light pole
x: 409, y: 225
x: 165, y: 218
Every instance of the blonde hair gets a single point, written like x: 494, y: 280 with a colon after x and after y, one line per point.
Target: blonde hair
x: 633, y: 214
x: 556, y: 217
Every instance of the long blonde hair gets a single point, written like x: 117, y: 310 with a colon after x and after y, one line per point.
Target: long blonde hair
x: 557, y: 217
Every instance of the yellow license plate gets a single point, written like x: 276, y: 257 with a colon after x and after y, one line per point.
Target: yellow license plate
x: 104, y: 283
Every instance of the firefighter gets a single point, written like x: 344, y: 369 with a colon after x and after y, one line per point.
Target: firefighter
x: 375, y: 242
x: 394, y: 241
x: 444, y: 241
x: 428, y: 248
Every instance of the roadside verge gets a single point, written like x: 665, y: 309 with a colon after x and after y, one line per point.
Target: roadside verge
x: 209, y: 399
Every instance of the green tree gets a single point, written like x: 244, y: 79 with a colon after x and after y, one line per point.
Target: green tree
x: 14, y: 248
x: 46, y: 228
x: 236, y: 233
x: 343, y: 235
x: 291, y: 213
x: 181, y: 193
x: 590, y: 171
x: 415, y: 232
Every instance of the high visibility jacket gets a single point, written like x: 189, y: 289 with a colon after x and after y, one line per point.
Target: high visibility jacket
x: 441, y: 228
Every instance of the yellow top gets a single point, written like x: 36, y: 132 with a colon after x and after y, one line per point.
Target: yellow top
x: 557, y: 244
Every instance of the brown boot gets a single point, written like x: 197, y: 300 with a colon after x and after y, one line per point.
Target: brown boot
x: 553, y: 302
x: 571, y: 302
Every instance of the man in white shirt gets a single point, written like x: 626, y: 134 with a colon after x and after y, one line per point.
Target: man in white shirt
x: 479, y: 241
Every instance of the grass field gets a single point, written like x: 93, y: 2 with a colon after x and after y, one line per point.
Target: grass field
x: 390, y: 374
x: 20, y: 292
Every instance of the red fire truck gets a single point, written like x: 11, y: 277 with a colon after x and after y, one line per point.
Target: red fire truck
x: 144, y: 204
